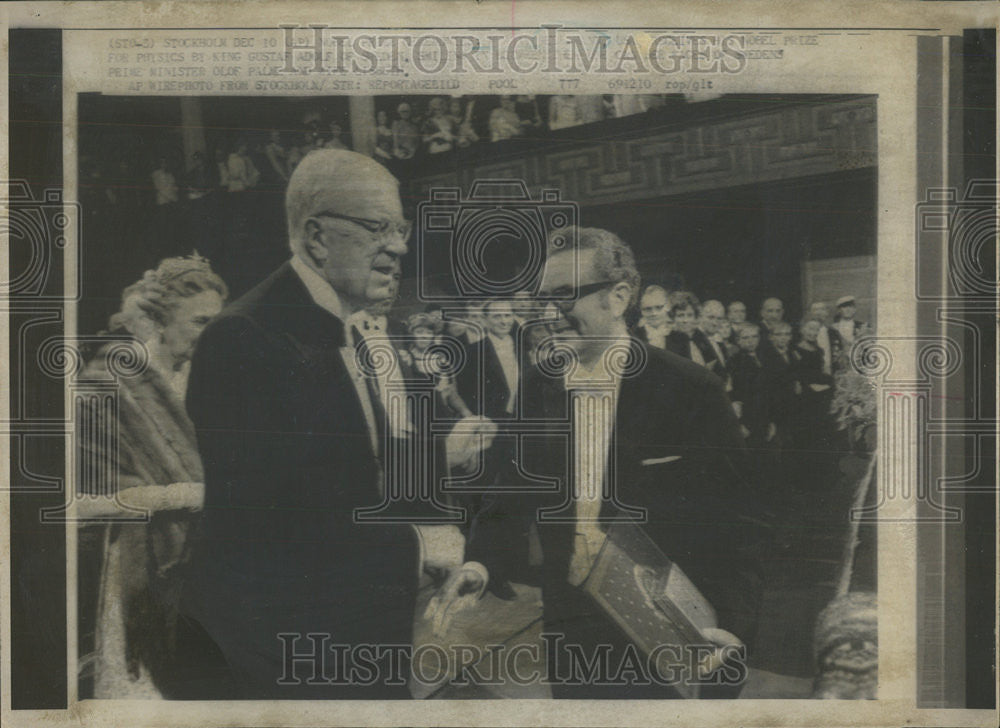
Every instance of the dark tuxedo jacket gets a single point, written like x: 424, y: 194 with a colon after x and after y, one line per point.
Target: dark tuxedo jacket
x: 481, y: 382
x: 680, y: 344
x: 288, y: 459
x: 701, y: 339
x: 750, y: 387
x: 778, y: 379
x: 679, y: 455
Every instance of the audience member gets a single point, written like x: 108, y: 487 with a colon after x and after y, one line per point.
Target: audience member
x: 490, y: 384
x: 726, y: 337
x: 564, y: 112
x: 686, y: 340
x: 748, y: 394
x: 845, y: 324
x: 198, y: 182
x: 164, y: 184
x: 736, y: 312
x: 828, y: 339
x: 221, y: 176
x: 277, y: 161
x: 463, y: 121
x: 780, y: 382
x: 504, y: 121
x: 713, y: 313
x: 333, y: 140
x: 657, y: 321
x: 242, y: 174
x: 772, y: 311
x: 405, y: 134
x: 383, y: 137
x: 438, y: 129
x: 816, y: 386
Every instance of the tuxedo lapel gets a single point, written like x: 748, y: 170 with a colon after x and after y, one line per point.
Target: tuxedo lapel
x: 631, y: 414
x: 314, y: 337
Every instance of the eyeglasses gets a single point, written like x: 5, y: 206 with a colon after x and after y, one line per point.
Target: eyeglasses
x: 565, y: 297
x: 381, y: 229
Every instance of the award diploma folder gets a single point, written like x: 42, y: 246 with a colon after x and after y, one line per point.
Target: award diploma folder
x: 650, y: 599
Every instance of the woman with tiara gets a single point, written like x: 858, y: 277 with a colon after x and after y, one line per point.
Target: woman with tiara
x: 147, y: 521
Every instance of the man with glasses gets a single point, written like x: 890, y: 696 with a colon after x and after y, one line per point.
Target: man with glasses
x: 648, y: 430
x: 294, y: 436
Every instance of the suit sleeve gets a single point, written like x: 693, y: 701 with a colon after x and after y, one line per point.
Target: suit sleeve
x: 233, y: 401
x: 730, y: 565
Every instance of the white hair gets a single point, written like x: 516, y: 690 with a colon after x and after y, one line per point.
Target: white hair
x: 329, y: 180
x: 717, y: 305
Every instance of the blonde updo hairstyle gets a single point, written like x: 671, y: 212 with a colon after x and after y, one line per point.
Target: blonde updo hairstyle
x: 147, y: 304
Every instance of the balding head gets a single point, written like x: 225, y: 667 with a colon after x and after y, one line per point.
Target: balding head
x: 772, y: 310
x: 340, y: 181
x: 712, y: 313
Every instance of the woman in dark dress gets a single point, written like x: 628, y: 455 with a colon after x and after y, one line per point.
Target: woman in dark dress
x: 815, y: 428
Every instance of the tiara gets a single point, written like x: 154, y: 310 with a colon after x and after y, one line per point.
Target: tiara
x: 171, y: 269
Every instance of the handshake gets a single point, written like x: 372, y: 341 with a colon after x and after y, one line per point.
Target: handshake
x: 466, y: 442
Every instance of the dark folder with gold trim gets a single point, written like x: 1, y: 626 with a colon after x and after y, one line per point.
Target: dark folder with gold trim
x: 651, y: 600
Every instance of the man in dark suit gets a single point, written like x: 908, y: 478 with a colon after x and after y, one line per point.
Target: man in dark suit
x: 772, y: 312
x: 779, y: 382
x: 294, y: 434
x: 490, y: 385
x: 713, y: 313
x: 659, y: 433
x: 749, y: 395
x: 489, y: 381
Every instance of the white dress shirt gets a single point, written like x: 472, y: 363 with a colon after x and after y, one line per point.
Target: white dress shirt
x: 441, y: 546
x: 594, y: 398
x: 656, y: 337
x: 508, y: 362
x: 823, y: 342
x: 717, y: 347
x: 325, y: 297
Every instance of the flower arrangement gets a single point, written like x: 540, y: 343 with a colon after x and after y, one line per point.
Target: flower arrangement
x: 855, y: 403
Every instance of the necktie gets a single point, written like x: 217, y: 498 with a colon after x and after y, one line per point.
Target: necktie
x: 371, y: 384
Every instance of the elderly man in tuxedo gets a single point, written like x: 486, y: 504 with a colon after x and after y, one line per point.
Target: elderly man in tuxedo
x: 297, y: 434
x: 667, y: 443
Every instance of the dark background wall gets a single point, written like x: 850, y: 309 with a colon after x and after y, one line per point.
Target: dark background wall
x: 749, y: 242
x: 727, y: 197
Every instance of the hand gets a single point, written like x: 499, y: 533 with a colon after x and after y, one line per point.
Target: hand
x: 469, y: 438
x: 155, y: 498
x: 186, y: 495
x: 461, y: 590
x: 725, y: 642
x: 443, y: 546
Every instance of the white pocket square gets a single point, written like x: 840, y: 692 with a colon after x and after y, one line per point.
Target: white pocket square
x: 660, y: 461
